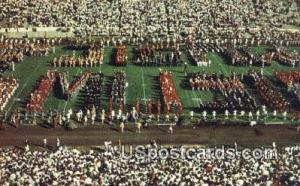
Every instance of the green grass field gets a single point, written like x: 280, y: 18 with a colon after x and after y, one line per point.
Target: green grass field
x: 143, y: 81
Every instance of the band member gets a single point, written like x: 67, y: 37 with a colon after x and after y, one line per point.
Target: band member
x: 150, y: 107
x: 122, y: 126
x: 137, y: 105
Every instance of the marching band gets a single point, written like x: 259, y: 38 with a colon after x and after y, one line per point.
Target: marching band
x: 121, y: 55
x: 170, y: 97
x: 8, y: 87
x: 39, y: 96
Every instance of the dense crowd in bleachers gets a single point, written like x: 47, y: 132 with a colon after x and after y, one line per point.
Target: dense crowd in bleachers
x: 151, y: 18
x: 69, y: 166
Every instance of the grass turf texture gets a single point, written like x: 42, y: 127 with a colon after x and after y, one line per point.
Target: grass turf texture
x: 143, y: 81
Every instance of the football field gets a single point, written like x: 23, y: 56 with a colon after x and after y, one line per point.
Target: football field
x: 143, y: 81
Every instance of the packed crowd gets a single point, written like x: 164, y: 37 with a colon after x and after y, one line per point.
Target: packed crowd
x: 8, y: 87
x: 171, y: 99
x: 39, y: 96
x: 158, y: 55
x: 128, y: 17
x: 68, y: 166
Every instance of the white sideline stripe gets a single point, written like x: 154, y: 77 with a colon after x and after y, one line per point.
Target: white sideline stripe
x: 165, y: 124
x: 25, y: 84
x: 143, y: 85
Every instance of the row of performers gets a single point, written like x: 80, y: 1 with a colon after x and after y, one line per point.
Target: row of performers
x: 117, y: 93
x: 285, y: 58
x: 84, y: 44
x: 151, y: 108
x: 203, y: 81
x: 288, y: 78
x: 169, y: 94
x: 93, y: 57
x: 9, y: 58
x: 153, y: 57
x: 12, y: 52
x: 39, y: 96
x: 119, y: 86
x: 92, y: 91
x: 29, y: 48
x: 121, y: 55
x: 197, y: 55
x: 78, y: 83
x: 271, y: 97
x: 243, y: 57
x: 235, y: 94
x: 230, y: 92
x: 7, y: 88
x: 291, y: 80
x: 147, y: 48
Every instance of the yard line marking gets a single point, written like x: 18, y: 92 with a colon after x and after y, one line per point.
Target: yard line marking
x: 187, y: 97
x: 223, y: 68
x: 197, y: 99
x: 143, y: 85
x: 267, y: 72
x: 125, y: 92
x: 25, y: 84
x: 66, y: 103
